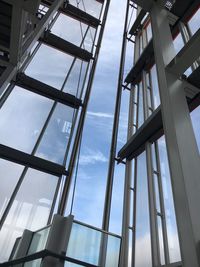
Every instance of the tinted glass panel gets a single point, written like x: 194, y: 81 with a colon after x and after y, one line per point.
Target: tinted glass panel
x: 155, y: 89
x: 89, y: 6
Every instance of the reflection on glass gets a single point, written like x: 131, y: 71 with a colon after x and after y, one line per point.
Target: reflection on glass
x: 10, y: 173
x: 194, y: 22
x: 155, y: 89
x: 89, y: 6
x: 30, y: 209
x: 195, y: 116
x: 87, y: 245
x: 22, y: 117
x: 173, y: 242
x: 55, y: 139
x: 49, y: 66
x: 84, y: 244
x: 143, y: 242
x: 74, y: 31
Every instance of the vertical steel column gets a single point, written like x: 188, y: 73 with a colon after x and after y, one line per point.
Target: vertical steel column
x: 181, y: 144
x: 113, y: 147
x: 67, y: 185
x: 155, y: 250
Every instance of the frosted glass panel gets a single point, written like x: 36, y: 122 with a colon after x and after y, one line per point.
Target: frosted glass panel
x: 30, y: 210
x: 22, y: 117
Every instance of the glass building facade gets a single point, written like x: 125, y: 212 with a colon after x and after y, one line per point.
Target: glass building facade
x: 42, y: 117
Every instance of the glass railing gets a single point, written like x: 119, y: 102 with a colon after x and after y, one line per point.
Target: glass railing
x: 87, y: 246
x: 93, y: 246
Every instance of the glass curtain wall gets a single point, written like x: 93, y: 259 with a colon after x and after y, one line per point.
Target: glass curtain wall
x: 41, y: 128
x: 145, y: 101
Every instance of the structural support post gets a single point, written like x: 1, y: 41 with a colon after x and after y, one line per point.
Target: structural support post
x: 181, y: 144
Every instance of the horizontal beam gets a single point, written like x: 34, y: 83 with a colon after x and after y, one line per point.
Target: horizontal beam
x: 152, y: 128
x: 186, y: 57
x: 146, y: 58
x: 48, y: 91
x: 80, y: 15
x: 31, y: 161
x: 65, y: 46
x: 137, y: 23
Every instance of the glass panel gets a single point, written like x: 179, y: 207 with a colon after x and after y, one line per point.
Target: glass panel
x: 178, y: 43
x: 84, y: 244
x: 39, y: 241
x: 194, y: 22
x: 140, y: 106
x: 74, y: 32
x: 143, y: 242
x: 75, y: 80
x: 157, y: 192
x: 160, y: 234
x: 173, y: 242
x: 149, y: 32
x: 49, y: 66
x: 89, y: 6
x: 30, y: 209
x: 113, y: 249
x: 195, y: 116
x: 10, y: 173
x: 22, y: 117
x: 155, y: 89
x: 55, y: 139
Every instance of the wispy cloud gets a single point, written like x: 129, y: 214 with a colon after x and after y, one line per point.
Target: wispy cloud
x: 100, y: 114
x: 92, y: 157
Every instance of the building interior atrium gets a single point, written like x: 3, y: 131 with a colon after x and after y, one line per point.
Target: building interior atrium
x: 100, y: 133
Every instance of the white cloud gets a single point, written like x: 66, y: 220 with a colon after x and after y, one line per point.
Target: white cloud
x: 100, y: 114
x: 92, y: 157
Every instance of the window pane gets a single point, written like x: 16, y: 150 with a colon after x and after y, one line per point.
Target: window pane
x: 149, y: 32
x: 74, y: 31
x: 89, y: 6
x: 143, y: 242
x: 155, y: 89
x: 169, y: 205
x: 194, y: 22
x: 30, y: 209
x: 55, y: 139
x: 178, y: 43
x: 10, y: 173
x: 22, y: 117
x: 50, y: 66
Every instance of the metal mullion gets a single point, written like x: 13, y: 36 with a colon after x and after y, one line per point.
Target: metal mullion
x: 155, y: 250
x: 134, y: 214
x: 162, y: 206
x: 68, y: 181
